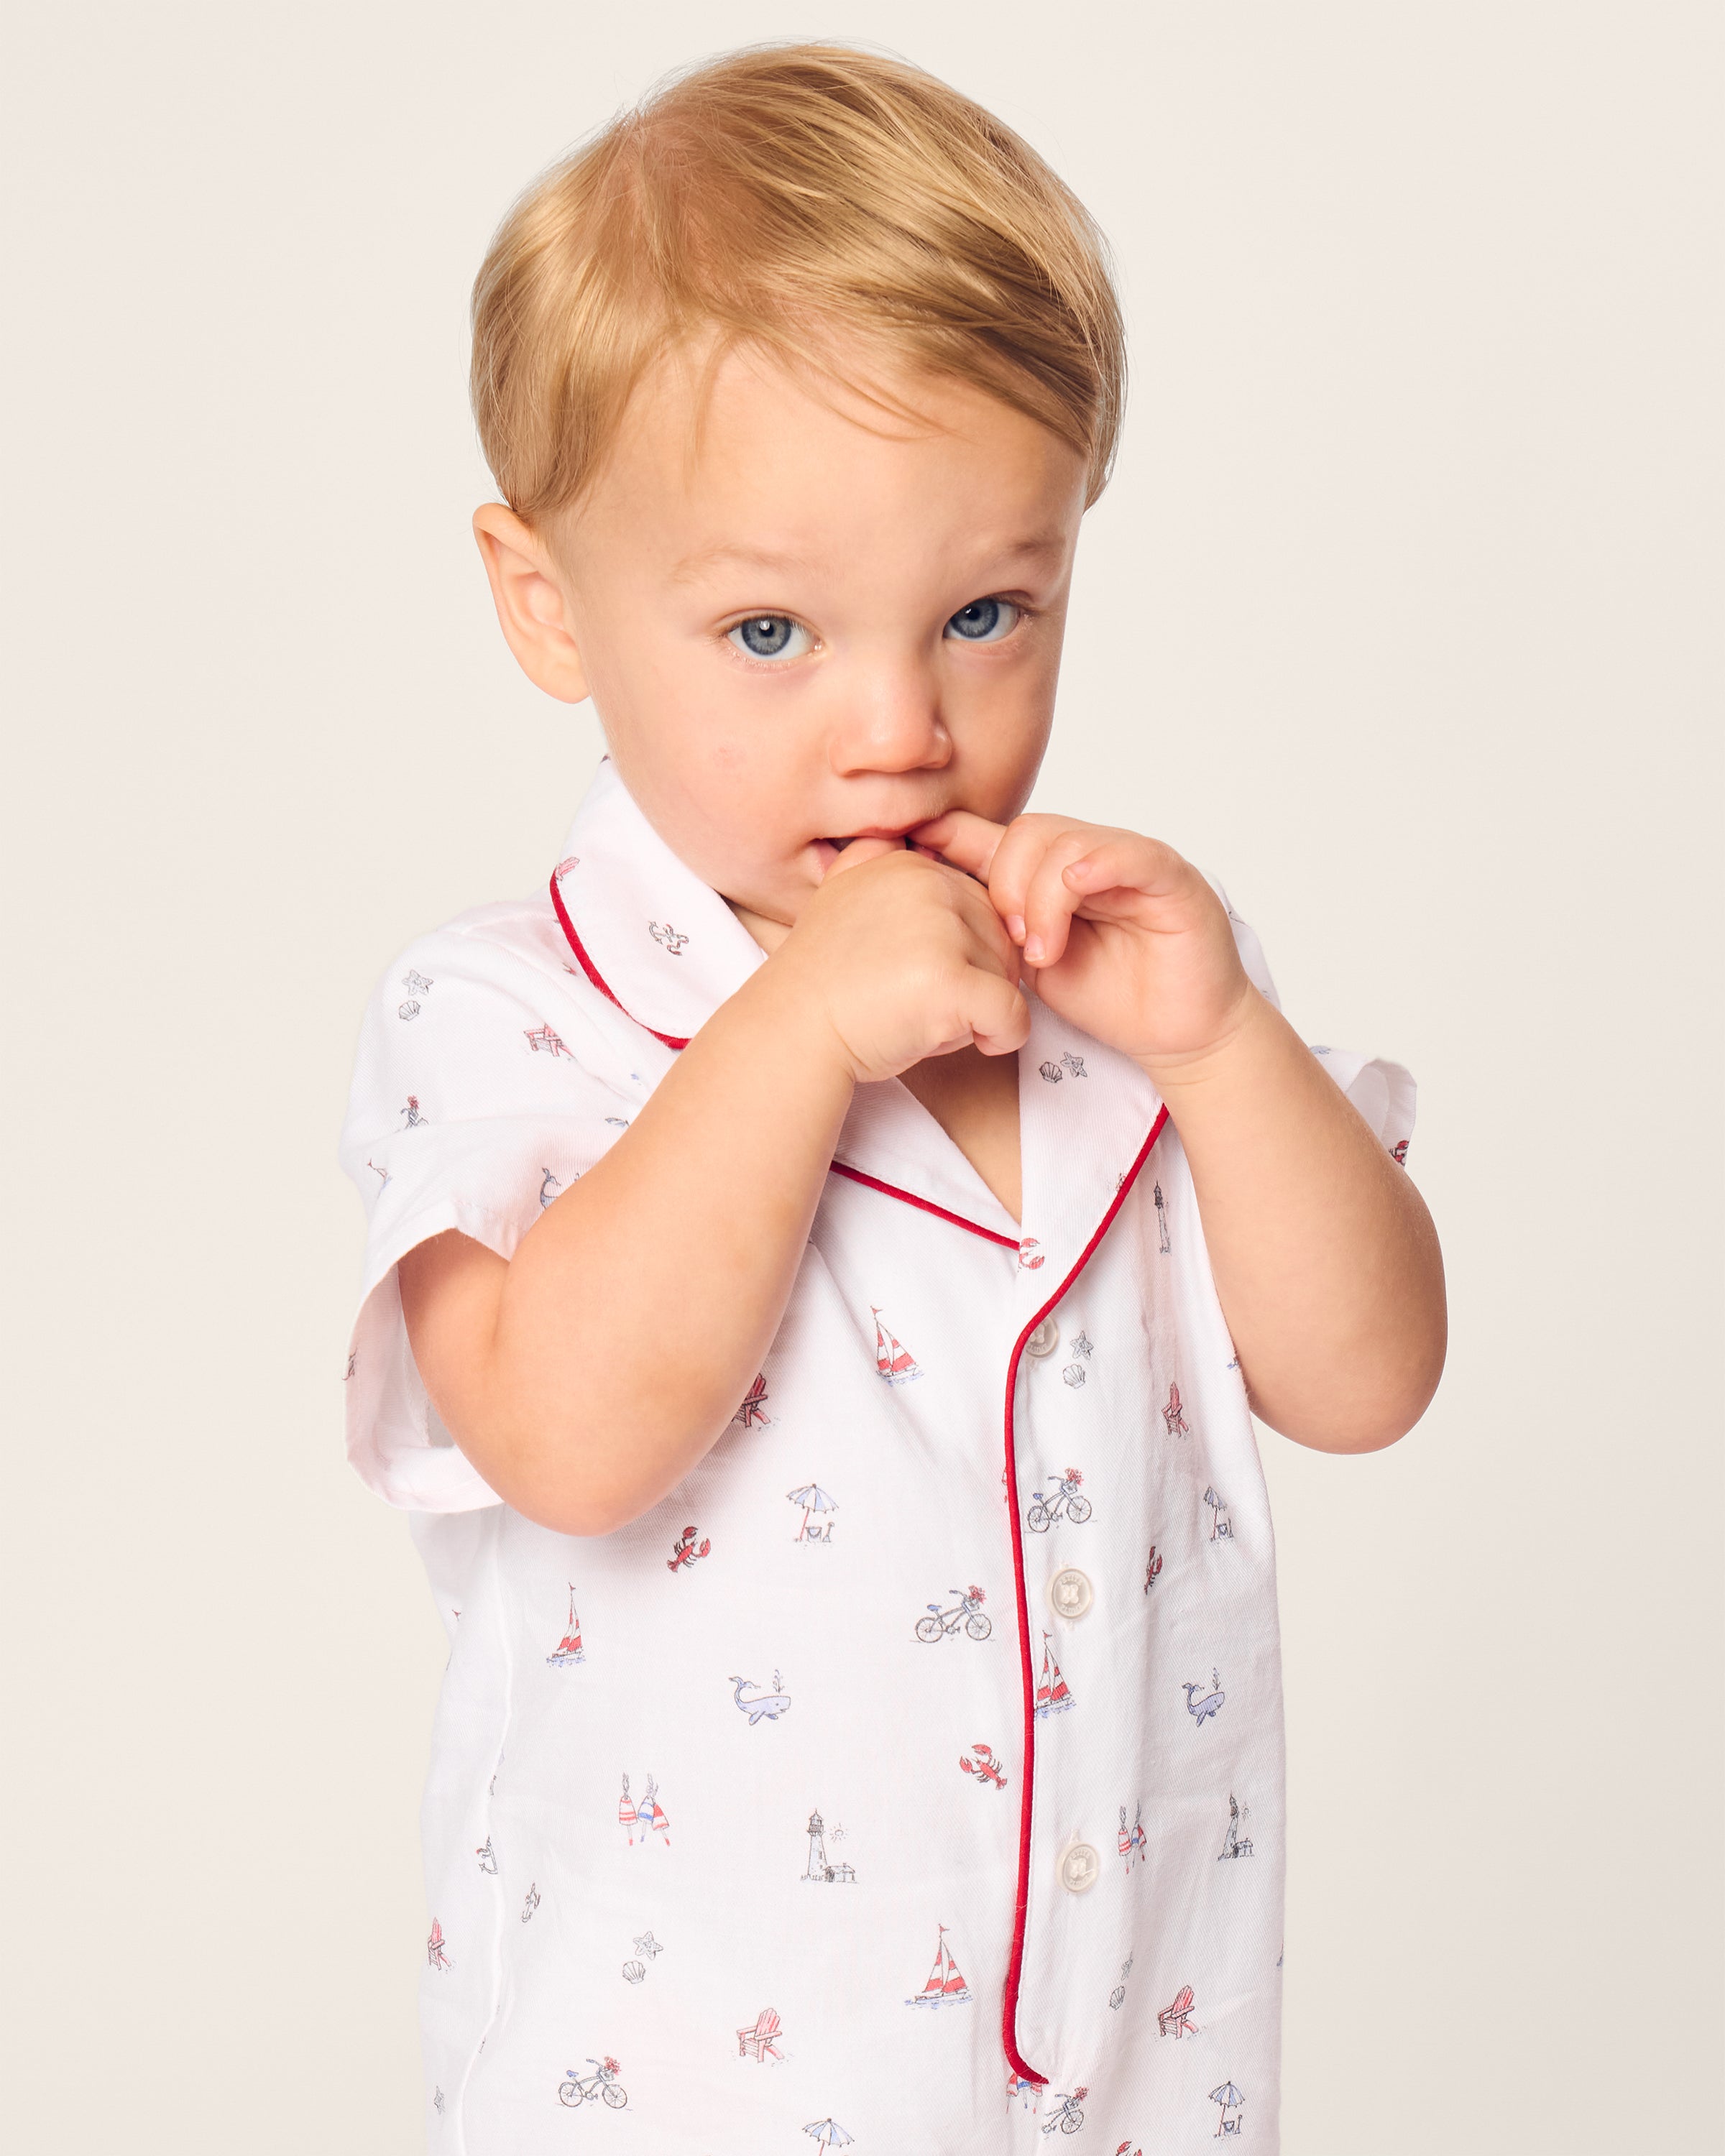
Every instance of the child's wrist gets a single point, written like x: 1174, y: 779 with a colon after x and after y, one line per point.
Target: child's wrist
x: 1237, y: 1041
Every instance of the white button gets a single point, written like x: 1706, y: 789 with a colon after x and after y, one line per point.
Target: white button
x: 1045, y: 1339
x: 1079, y: 1867
x: 1070, y: 1591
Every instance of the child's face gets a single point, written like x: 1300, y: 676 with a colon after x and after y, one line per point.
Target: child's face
x: 774, y: 631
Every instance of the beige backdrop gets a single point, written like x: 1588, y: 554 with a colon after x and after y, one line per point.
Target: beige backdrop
x: 1391, y: 618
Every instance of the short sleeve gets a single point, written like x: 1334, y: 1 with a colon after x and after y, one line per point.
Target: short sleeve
x: 480, y: 1092
x: 1384, y: 1092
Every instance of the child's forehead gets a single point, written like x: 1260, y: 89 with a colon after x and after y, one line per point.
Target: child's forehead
x: 741, y: 451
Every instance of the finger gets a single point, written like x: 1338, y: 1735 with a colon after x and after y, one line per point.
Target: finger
x: 999, y: 1016
x: 858, y: 851
x: 1126, y: 860
x: 1050, y: 901
x: 968, y: 841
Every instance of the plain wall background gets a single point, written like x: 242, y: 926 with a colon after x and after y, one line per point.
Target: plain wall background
x: 1392, y: 618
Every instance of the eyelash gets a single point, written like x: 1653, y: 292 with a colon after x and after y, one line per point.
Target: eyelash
x: 1025, y: 611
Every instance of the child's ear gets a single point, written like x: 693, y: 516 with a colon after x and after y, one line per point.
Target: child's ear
x: 530, y: 602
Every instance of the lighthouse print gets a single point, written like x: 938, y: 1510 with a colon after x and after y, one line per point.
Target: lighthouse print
x: 945, y: 1984
x: 892, y: 1358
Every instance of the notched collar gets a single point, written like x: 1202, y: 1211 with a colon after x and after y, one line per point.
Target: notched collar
x: 667, y: 950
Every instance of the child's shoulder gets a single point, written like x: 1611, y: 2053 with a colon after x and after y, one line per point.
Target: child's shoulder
x: 499, y: 974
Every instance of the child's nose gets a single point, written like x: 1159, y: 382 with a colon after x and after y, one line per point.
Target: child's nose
x: 890, y: 720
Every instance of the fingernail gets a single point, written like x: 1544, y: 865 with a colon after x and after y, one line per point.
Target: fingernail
x: 1016, y: 926
x: 1033, y: 950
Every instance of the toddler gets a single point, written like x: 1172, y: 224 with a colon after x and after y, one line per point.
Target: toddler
x: 826, y: 1247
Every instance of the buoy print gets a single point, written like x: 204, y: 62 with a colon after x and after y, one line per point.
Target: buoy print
x: 821, y: 1870
x: 1052, y: 1695
x: 602, y: 2083
x: 944, y: 1624
x: 985, y: 1766
x: 567, y: 1650
x: 892, y: 1358
x: 639, y: 1820
x: 1211, y: 1705
x: 946, y: 1986
x: 760, y: 2040
x: 1064, y: 1504
x: 760, y: 1704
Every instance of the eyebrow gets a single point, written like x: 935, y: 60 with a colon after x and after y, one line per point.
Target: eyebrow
x: 1041, y: 545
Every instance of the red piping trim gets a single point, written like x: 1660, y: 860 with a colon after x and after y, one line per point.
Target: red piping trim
x: 1027, y: 1783
x: 928, y: 1205
x: 671, y: 1040
x: 597, y: 979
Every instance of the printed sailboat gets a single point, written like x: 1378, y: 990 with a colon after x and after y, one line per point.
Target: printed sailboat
x: 1052, y: 1697
x: 892, y: 1358
x: 944, y: 1980
x: 568, y: 1648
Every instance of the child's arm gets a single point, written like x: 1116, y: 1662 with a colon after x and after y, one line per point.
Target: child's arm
x: 1324, y: 1257
x: 587, y: 1374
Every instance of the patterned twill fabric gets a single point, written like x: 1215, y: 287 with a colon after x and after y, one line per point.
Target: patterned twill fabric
x: 912, y: 1775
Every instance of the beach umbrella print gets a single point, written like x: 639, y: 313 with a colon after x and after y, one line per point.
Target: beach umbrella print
x: 1230, y: 2098
x: 830, y: 2134
x: 812, y: 1499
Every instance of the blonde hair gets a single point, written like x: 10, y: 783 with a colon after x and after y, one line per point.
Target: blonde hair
x: 803, y: 199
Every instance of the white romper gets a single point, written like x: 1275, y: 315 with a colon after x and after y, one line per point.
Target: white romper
x: 912, y: 1775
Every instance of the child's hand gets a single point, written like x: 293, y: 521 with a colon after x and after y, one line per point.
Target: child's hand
x: 1119, y: 934
x: 906, y: 958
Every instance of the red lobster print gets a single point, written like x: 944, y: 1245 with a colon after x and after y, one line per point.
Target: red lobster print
x: 684, y: 1552
x: 986, y: 1767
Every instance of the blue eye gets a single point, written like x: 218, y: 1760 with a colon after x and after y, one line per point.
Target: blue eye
x: 765, y: 635
x: 985, y: 621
